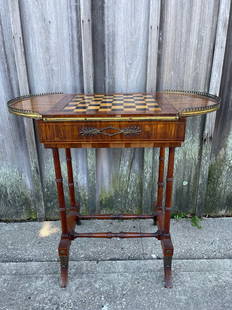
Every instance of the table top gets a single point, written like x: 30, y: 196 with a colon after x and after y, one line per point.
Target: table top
x: 165, y: 105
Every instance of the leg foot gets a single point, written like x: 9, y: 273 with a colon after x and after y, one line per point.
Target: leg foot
x: 78, y: 221
x: 167, y: 271
x: 64, y: 271
x: 64, y: 259
x: 155, y: 220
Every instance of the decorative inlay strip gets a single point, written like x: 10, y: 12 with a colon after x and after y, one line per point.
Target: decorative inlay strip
x: 127, y: 131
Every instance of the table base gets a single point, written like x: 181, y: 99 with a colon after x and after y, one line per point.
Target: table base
x: 69, y: 219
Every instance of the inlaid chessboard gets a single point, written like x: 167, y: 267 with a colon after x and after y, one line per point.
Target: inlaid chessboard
x: 112, y: 103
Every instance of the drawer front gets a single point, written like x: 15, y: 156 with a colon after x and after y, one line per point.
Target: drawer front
x: 91, y: 131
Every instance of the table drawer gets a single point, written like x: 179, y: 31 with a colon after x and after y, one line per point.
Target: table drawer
x: 105, y: 131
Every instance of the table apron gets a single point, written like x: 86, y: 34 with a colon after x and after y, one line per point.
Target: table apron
x: 111, y: 134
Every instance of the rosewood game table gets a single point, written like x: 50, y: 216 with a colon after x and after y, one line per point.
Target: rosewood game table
x: 114, y: 121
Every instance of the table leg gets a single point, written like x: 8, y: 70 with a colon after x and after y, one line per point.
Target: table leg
x: 159, y: 203
x: 167, y: 243
x: 64, y: 242
x: 75, y: 206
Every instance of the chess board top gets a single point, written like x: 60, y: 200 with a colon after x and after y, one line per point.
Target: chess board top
x: 161, y: 105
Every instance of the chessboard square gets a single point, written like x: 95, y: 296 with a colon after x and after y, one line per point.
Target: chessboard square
x: 106, y: 105
x: 69, y: 108
x: 127, y: 105
x: 139, y: 101
x: 141, y: 104
x: 106, y: 101
x: 104, y: 110
x: 117, y: 101
x: 128, y: 99
x: 94, y: 104
x: 150, y: 100
x: 80, y: 110
x: 119, y: 106
x: 116, y: 110
x: 129, y: 109
x: 93, y: 108
x: 154, y: 109
x: 141, y: 109
x: 152, y: 104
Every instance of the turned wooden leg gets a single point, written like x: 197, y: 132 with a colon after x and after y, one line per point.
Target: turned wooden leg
x: 65, y: 242
x: 75, y: 207
x: 167, y: 243
x: 159, y: 203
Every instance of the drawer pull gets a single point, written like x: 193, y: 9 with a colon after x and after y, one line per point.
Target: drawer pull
x: 110, y: 131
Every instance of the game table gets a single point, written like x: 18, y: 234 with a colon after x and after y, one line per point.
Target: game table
x: 114, y: 121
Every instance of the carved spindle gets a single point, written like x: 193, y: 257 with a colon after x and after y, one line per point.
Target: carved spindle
x: 169, y: 185
x: 159, y: 203
x: 74, y: 206
x: 60, y: 191
x: 167, y: 244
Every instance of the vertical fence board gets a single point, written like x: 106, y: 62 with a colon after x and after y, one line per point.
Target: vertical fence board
x: 53, y: 52
x: 126, y: 40
x: 114, y: 46
x: 16, y: 177
x: 215, y: 79
x: 186, y: 49
x: 219, y: 194
x: 33, y: 161
x: 151, y: 155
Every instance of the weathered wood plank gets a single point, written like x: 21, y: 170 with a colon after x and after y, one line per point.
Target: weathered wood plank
x: 88, y: 78
x: 126, y: 39
x: 52, y: 38
x: 151, y: 155
x: 20, y: 62
x: 87, y: 51
x: 215, y: 79
x: 186, y: 49
x: 16, y: 183
x: 219, y: 195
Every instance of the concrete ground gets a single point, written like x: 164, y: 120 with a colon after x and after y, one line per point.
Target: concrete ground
x: 116, y: 274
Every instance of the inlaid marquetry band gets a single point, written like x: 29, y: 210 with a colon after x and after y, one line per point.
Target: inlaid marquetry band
x: 127, y: 131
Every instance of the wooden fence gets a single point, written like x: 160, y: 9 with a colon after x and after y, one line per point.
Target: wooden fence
x: 115, y: 46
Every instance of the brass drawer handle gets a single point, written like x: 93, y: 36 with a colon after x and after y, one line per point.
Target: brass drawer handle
x: 127, y: 131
